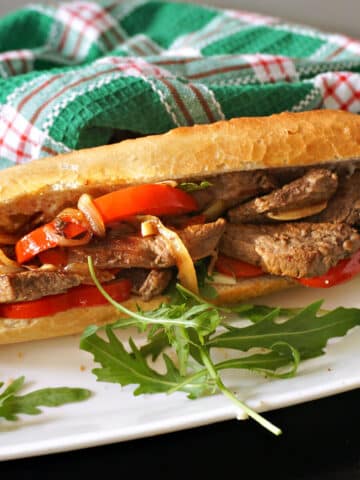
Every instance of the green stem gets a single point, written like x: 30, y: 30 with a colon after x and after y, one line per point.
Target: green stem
x: 137, y: 316
x: 251, y: 413
x: 189, y: 379
x: 201, y: 300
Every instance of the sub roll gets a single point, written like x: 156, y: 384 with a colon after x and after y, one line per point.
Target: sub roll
x: 264, y: 204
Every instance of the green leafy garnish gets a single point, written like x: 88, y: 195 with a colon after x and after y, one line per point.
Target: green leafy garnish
x: 12, y: 404
x: 190, y: 327
x: 193, y: 187
x: 255, y: 313
x: 206, y: 289
x: 120, y: 366
x: 305, y: 331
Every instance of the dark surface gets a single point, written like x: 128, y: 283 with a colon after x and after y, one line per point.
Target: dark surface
x: 321, y: 440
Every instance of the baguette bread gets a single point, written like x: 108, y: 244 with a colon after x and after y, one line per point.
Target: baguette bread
x: 44, y: 187
x: 282, y: 140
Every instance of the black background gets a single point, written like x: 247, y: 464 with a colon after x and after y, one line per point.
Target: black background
x: 321, y: 440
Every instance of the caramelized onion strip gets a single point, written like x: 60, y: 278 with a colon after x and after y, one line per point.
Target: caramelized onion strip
x: 7, y: 265
x: 214, y: 210
x: 296, y: 214
x: 184, y: 262
x: 75, y: 215
x: 92, y: 214
x: 67, y: 242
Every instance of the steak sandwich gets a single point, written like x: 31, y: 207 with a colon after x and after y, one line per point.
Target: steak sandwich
x: 265, y: 203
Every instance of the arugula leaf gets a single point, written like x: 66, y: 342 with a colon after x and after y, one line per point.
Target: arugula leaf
x: 256, y: 313
x: 193, y: 187
x: 267, y: 363
x: 155, y: 346
x: 123, y: 367
x: 305, y: 331
x: 179, y: 340
x: 189, y: 325
x: 11, y: 404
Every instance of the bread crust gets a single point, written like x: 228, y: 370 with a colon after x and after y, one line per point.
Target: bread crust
x: 69, y: 322
x: 252, y: 287
x: 248, y: 143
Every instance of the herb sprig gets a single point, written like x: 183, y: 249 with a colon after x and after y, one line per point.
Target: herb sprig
x: 194, y: 187
x: 191, y: 327
x: 12, y: 404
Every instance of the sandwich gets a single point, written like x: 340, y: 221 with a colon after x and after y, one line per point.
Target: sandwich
x: 265, y: 203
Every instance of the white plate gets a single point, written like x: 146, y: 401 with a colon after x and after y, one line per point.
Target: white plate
x: 113, y: 414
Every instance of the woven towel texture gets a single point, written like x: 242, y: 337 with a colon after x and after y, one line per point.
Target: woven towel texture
x: 80, y: 74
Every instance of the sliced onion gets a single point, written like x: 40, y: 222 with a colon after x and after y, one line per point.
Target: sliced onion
x: 298, y: 213
x: 148, y: 228
x: 5, y: 260
x: 47, y: 267
x: 67, y: 242
x: 184, y: 262
x: 76, y: 217
x: 214, y: 210
x: 7, y: 265
x: 80, y: 268
x: 170, y: 183
x: 5, y: 269
x: 223, y: 279
x: 92, y: 214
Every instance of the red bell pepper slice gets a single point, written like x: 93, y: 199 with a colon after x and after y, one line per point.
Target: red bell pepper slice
x: 152, y: 199
x: 39, y: 240
x: 82, y: 296
x: 156, y: 199
x: 344, y: 270
x: 54, y: 256
x: 236, y: 268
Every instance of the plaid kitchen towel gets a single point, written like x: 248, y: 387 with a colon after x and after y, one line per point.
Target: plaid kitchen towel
x: 74, y: 75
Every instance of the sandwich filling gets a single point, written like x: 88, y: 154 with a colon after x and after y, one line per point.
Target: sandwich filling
x: 297, y: 223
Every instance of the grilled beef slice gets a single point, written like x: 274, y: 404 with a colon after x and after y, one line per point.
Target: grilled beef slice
x: 344, y: 206
x: 129, y: 251
x: 123, y: 251
x: 147, y: 283
x: 316, y: 186
x: 155, y: 283
x: 293, y: 249
x: 234, y: 188
x: 30, y: 285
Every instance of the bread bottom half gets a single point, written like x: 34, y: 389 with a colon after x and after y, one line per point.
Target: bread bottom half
x: 77, y: 319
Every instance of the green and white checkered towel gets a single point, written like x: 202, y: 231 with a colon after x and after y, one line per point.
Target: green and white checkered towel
x: 73, y: 75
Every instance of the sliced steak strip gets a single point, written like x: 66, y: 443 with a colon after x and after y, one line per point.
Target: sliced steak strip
x: 344, y: 206
x: 128, y: 251
x: 316, y: 186
x: 147, y: 283
x: 234, y: 188
x: 30, y: 285
x: 155, y: 283
x: 293, y: 249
